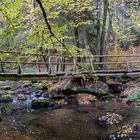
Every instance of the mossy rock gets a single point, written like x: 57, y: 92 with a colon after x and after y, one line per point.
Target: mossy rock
x: 22, y: 96
x: 42, y: 103
x: 100, y: 88
x: 135, y: 97
x: 41, y: 86
x: 5, y: 88
x: 126, y: 132
x: 6, y: 98
x: 7, y: 109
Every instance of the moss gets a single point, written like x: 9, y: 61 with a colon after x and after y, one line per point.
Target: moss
x: 42, y: 103
x: 6, y: 98
x: 135, y: 97
x: 7, y: 109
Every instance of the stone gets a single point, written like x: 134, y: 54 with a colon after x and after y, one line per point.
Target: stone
x: 119, y: 88
x: 135, y: 97
x: 5, y: 87
x: 61, y: 102
x: 109, y: 119
x: 10, y: 92
x: 20, y: 90
x: 132, y: 95
x: 69, y: 86
x: 38, y: 93
x: 25, y: 85
x: 41, y: 85
x: 125, y: 132
x: 7, y: 109
x: 6, y: 98
x: 42, y: 103
x: 100, y: 88
x: 22, y: 96
x: 85, y: 99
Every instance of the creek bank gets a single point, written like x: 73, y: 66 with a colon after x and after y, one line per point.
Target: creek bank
x: 45, y: 94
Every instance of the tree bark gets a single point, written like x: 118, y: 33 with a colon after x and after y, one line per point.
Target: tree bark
x: 77, y: 37
x: 108, y: 37
x: 98, y: 44
x: 103, y: 34
x: 77, y: 42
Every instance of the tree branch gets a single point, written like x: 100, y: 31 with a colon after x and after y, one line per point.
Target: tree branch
x: 48, y: 25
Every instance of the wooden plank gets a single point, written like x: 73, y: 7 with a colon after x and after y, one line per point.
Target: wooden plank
x: 46, y: 76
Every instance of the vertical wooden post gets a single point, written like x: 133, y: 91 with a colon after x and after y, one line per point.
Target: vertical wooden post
x: 1, y: 68
x: 19, y: 69
x: 74, y: 63
x: 128, y: 65
x: 50, y: 69
x: 63, y: 66
x: 39, y: 69
x: 57, y: 65
x: 91, y: 62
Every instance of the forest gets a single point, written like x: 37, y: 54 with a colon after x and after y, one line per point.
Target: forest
x: 69, y: 69
x: 99, y: 27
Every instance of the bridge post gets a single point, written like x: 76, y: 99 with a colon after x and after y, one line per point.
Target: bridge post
x: 19, y: 70
x: 91, y: 62
x: 74, y: 63
x: 128, y: 65
x: 49, y: 69
x: 1, y: 68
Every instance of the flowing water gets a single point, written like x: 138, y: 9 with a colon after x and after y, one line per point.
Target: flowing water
x: 66, y: 123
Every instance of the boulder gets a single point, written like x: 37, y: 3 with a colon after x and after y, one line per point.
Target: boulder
x: 119, y: 88
x: 7, y: 109
x: 132, y: 95
x: 39, y: 93
x: 98, y: 89
x: 109, y: 119
x: 135, y: 97
x: 85, y: 99
x: 5, y: 88
x: 42, y: 103
x: 6, y: 98
x: 43, y: 85
x: 22, y: 96
x: 67, y: 86
x: 61, y: 102
x: 27, y: 84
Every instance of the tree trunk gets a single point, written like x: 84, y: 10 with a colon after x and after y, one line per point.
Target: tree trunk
x: 77, y: 42
x: 77, y: 37
x: 98, y: 44
x: 103, y: 35
x: 107, y: 42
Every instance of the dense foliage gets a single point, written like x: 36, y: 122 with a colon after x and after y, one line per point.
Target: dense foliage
x: 75, y: 26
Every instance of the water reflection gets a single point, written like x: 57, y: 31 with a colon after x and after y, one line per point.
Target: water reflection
x: 66, y: 123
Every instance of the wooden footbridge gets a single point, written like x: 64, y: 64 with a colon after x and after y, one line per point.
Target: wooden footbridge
x: 61, y: 66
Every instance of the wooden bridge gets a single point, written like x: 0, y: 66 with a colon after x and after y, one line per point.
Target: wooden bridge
x: 61, y: 66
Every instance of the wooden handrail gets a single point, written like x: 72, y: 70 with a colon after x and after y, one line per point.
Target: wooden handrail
x: 62, y: 63
x: 69, y: 56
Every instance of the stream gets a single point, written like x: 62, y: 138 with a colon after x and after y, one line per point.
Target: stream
x: 66, y: 122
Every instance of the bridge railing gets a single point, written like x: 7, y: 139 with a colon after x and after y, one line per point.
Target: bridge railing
x: 72, y: 64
